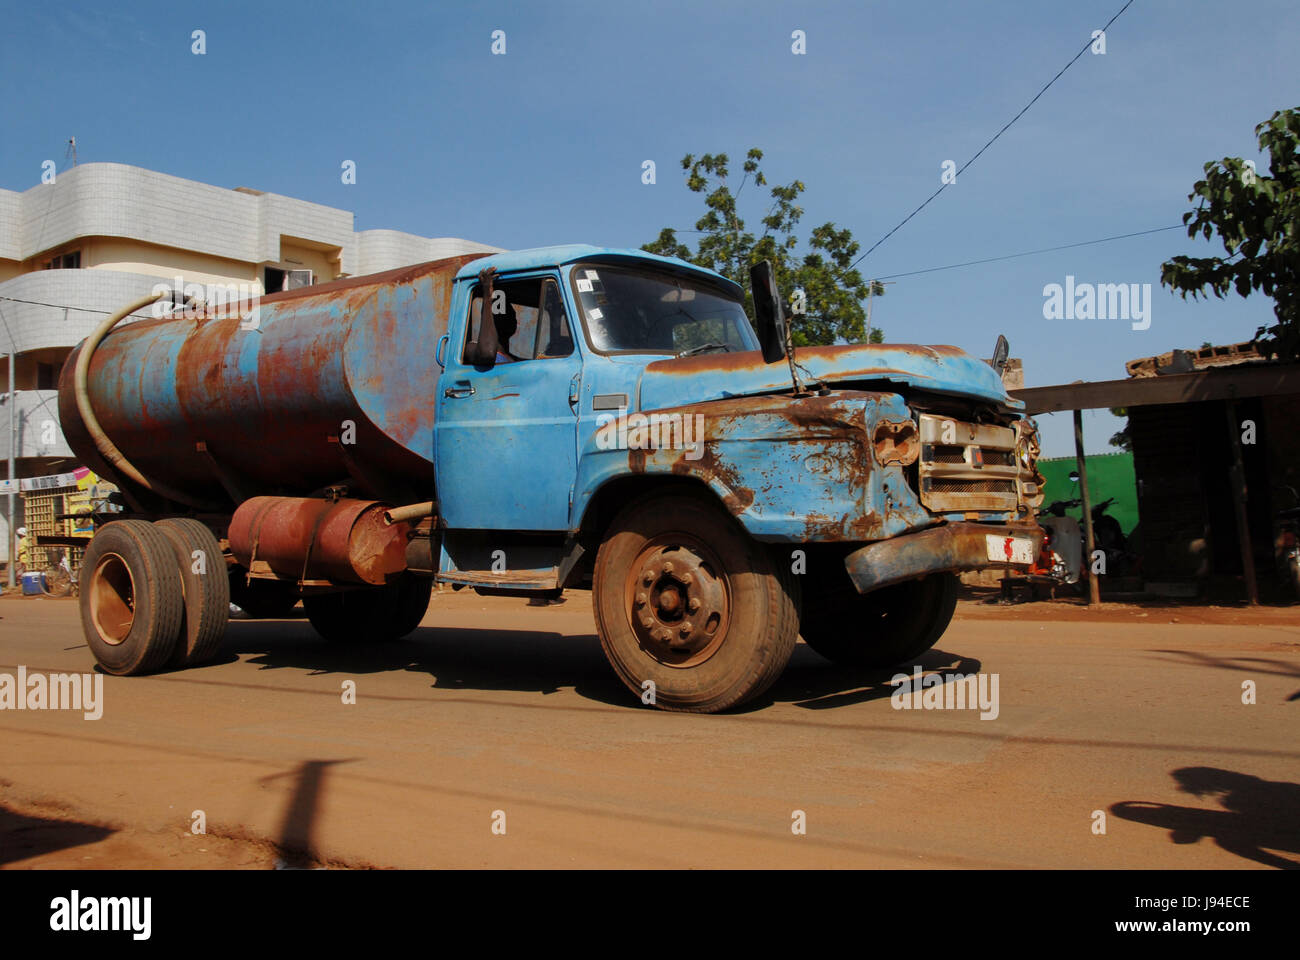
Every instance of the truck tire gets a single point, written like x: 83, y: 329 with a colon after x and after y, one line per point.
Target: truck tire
x: 207, y: 594
x: 882, y: 628
x: 131, y: 598
x: 261, y: 599
x: 377, y: 614
x: 685, y: 599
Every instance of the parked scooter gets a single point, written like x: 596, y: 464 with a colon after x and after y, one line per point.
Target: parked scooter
x: 1288, y: 543
x: 1062, y: 556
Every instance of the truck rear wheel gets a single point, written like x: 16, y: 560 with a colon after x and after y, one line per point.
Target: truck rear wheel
x: 260, y: 598
x: 131, y: 601
x: 684, y: 599
x: 382, y: 613
x: 206, y: 587
x: 884, y: 627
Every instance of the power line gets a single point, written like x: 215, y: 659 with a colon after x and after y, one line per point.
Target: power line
x: 995, y: 136
x: 66, y: 306
x: 1030, y: 253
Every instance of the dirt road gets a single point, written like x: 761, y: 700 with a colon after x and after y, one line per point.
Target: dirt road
x: 496, y: 716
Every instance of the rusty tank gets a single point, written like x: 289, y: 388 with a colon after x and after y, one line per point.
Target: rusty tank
x: 327, y: 385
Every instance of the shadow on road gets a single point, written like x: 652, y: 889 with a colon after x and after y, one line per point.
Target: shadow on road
x: 1258, y: 816
x: 811, y: 682
x: 23, y: 837
x: 539, y: 661
x: 1280, y: 668
x: 295, y: 837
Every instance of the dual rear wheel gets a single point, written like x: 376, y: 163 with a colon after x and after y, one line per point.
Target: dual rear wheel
x: 153, y: 595
x: 158, y: 595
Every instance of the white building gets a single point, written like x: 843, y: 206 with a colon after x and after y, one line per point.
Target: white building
x: 103, y: 234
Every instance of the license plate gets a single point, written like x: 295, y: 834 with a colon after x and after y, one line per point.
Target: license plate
x: 1010, y: 549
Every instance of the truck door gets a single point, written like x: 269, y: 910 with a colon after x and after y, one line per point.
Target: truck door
x: 506, y: 449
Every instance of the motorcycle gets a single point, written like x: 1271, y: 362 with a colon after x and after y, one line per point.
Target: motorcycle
x: 1288, y: 543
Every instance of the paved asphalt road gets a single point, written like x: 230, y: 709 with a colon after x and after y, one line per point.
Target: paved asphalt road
x: 496, y: 712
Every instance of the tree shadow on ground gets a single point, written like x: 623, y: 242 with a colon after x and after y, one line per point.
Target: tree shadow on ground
x: 23, y: 837
x: 1259, y: 815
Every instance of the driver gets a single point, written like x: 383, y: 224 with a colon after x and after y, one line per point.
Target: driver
x: 507, y: 324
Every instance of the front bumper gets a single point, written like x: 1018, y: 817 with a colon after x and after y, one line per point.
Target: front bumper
x: 947, y: 548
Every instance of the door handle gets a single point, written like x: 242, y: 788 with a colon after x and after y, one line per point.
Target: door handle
x: 462, y: 389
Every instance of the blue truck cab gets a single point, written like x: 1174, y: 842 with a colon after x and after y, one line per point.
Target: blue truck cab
x: 621, y: 429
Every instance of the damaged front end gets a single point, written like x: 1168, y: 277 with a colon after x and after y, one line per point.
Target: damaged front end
x: 920, y: 491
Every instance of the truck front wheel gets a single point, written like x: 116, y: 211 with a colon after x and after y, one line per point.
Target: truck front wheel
x: 693, y: 615
x: 882, y: 628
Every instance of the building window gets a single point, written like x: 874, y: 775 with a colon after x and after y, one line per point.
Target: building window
x: 64, y: 261
x: 276, y: 280
x: 46, y: 377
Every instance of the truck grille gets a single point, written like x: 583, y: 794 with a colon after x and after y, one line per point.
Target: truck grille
x: 967, y: 466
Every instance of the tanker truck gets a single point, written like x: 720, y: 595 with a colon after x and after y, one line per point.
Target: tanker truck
x: 611, y: 420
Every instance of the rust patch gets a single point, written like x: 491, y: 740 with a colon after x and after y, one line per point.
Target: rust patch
x: 896, y: 442
x: 711, y: 466
x: 753, y: 359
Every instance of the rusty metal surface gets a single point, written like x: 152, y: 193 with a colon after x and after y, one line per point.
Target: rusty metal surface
x: 790, y: 469
x: 896, y: 441
x: 345, y: 541
x: 967, y: 466
x: 940, y: 369
x: 265, y: 400
x: 527, y: 579
x: 951, y: 547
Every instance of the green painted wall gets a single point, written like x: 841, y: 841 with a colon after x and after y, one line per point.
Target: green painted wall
x: 1109, y: 475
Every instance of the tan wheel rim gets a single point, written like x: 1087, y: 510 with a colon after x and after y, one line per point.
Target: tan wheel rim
x: 112, y: 599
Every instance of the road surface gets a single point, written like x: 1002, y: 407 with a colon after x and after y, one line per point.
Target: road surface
x: 497, y: 736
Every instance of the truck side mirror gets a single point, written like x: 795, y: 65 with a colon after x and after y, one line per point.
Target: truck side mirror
x: 769, y: 315
x: 1000, y: 353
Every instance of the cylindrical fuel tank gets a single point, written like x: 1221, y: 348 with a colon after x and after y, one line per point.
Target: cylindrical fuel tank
x: 347, y: 541
x: 323, y: 385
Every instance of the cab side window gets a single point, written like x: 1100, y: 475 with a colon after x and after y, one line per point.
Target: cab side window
x: 554, y: 338
x: 530, y: 321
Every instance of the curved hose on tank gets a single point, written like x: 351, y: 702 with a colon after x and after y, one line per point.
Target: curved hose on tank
x: 106, y: 447
x: 415, y: 511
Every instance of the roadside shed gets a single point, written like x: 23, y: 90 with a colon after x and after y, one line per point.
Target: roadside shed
x: 1216, y: 453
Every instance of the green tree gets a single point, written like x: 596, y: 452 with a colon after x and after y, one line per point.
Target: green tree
x: 1257, y: 218
x: 1121, y: 439
x: 833, y: 292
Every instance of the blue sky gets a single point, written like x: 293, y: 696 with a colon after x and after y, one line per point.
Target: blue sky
x: 545, y: 144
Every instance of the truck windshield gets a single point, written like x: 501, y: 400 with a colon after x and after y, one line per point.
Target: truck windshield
x: 637, y: 311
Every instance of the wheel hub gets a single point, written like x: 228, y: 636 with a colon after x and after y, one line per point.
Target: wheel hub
x: 678, y: 604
